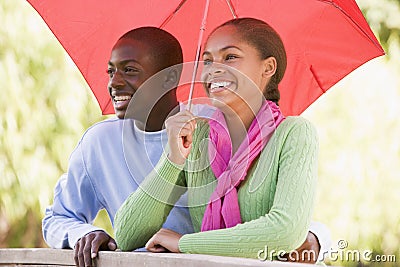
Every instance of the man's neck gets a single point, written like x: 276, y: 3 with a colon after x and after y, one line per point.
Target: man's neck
x: 157, y: 117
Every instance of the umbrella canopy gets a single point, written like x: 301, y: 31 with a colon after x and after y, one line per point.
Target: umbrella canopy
x: 325, y: 39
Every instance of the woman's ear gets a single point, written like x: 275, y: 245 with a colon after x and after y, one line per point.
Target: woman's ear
x: 171, y: 79
x: 270, y: 66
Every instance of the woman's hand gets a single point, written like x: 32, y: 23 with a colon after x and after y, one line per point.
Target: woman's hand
x: 163, y: 241
x: 180, y: 128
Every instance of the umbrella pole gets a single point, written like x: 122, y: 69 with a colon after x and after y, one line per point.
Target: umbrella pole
x: 197, y: 58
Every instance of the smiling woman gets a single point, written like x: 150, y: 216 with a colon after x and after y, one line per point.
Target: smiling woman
x: 249, y: 172
x: 243, y: 57
x: 254, y: 40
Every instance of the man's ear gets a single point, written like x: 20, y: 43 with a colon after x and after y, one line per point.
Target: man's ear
x: 171, y: 79
x: 270, y: 66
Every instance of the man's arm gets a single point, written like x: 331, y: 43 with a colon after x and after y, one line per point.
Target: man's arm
x: 68, y: 222
x: 74, y: 208
x: 62, y: 226
x: 323, y: 235
x: 317, y: 242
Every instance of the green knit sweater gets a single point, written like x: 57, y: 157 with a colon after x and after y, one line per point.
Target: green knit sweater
x: 276, y: 200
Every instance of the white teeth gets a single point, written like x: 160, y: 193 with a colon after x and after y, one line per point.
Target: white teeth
x: 219, y: 84
x: 122, y: 98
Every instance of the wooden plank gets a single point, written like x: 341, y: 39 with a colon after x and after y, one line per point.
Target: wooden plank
x: 30, y: 265
x: 107, y: 258
x: 65, y: 258
x: 38, y: 256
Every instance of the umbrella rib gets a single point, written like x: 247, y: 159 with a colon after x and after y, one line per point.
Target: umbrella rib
x: 232, y: 9
x: 320, y: 85
x: 172, y: 14
x: 355, y: 23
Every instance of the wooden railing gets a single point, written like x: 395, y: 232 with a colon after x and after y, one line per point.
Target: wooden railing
x: 63, y: 258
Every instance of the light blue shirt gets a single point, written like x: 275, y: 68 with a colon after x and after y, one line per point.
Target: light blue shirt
x: 110, y: 161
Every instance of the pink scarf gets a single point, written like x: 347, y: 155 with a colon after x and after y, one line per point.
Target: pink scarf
x: 223, y: 208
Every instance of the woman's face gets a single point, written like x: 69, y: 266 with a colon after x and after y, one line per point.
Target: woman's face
x: 234, y: 73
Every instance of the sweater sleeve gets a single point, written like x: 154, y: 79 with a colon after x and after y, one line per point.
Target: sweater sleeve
x: 144, y: 211
x: 74, y: 208
x: 285, y: 226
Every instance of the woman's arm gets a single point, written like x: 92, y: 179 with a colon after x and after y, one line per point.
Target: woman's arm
x: 144, y: 211
x: 285, y: 226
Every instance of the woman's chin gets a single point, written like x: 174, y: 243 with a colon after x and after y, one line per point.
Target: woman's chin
x: 221, y: 104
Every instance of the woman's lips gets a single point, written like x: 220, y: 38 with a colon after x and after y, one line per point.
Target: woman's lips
x: 218, y: 86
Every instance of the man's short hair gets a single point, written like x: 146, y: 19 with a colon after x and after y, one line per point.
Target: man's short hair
x: 165, y: 49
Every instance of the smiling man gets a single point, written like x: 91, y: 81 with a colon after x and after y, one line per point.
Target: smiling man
x: 134, y: 59
x: 102, y: 170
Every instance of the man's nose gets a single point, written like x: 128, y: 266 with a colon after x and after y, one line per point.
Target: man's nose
x: 116, y: 80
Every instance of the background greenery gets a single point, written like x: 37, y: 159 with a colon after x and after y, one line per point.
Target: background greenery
x: 46, y: 106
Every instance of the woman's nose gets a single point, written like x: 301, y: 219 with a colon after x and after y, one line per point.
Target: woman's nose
x: 216, y: 69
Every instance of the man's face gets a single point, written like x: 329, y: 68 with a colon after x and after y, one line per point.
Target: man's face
x: 130, y: 65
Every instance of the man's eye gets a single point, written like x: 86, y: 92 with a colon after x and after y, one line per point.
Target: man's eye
x: 131, y: 70
x: 110, y: 71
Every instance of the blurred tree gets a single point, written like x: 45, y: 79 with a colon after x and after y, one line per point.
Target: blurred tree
x: 383, y: 17
x: 45, y: 107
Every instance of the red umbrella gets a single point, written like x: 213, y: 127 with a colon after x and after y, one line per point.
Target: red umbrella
x: 325, y: 39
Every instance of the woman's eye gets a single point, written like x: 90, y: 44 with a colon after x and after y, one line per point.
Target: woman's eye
x: 207, y: 62
x: 230, y: 57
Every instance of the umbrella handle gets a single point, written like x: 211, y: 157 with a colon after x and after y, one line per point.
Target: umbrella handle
x: 197, y: 58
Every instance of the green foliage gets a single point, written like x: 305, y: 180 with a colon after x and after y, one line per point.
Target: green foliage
x: 383, y: 17
x: 358, y: 127
x: 46, y: 106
